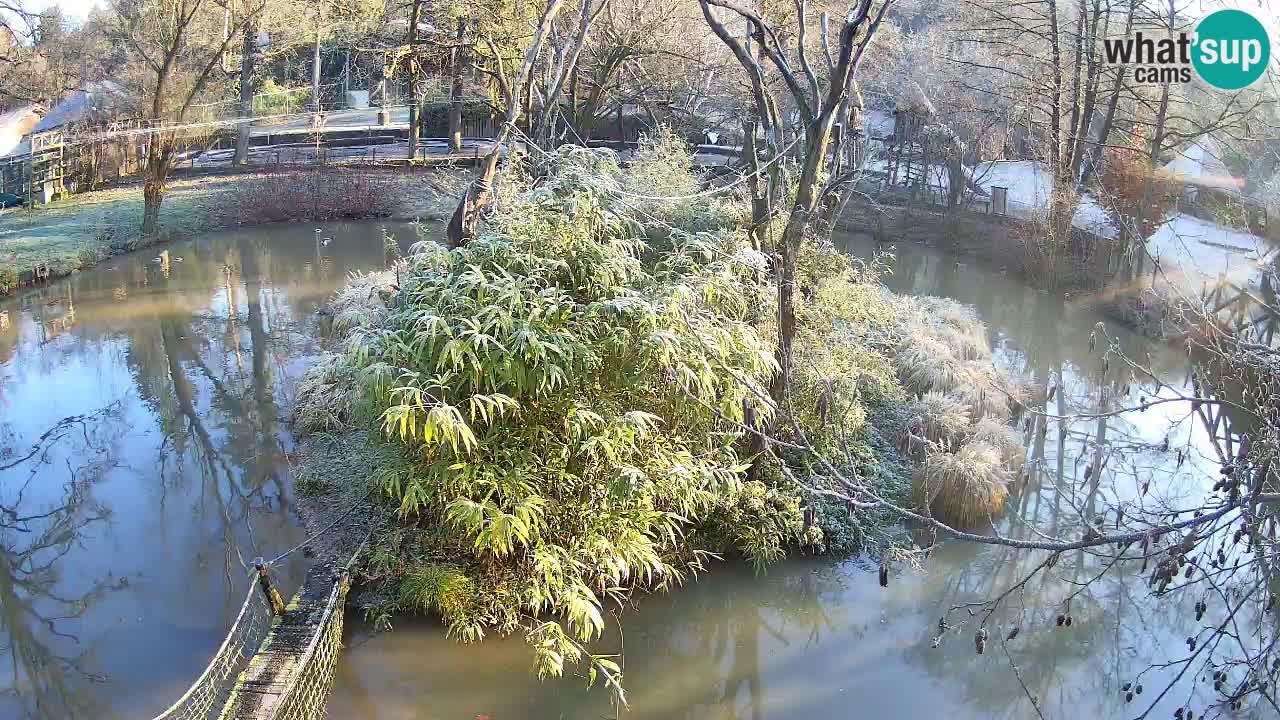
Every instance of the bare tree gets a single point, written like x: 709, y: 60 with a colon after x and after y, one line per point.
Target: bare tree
x: 567, y: 47
x: 178, y: 47
x: 819, y: 101
x: 17, y: 33
x: 248, y: 81
x: 463, y: 224
x: 42, y: 57
x: 457, y: 61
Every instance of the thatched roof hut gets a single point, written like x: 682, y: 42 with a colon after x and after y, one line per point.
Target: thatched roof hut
x: 913, y: 100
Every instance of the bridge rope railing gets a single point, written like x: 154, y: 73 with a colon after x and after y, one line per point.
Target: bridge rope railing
x: 210, y: 691
x: 307, y: 692
x: 310, y: 677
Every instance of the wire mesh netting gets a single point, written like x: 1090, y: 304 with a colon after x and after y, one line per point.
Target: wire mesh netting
x: 307, y: 693
x: 210, y: 691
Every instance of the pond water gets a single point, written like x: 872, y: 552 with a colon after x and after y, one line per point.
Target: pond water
x: 174, y: 468
x: 144, y: 456
x: 817, y: 638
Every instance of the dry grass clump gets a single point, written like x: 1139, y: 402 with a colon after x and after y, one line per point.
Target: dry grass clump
x: 924, y: 362
x: 951, y: 312
x: 983, y: 388
x: 949, y: 322
x: 360, y: 303
x: 939, y: 422
x: 943, y: 348
x: 966, y: 488
x: 945, y: 418
x: 960, y: 431
x: 326, y: 396
x: 966, y: 344
x: 1003, y: 438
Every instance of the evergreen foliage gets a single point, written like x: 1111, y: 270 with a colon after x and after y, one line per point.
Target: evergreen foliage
x: 569, y: 396
x: 568, y: 408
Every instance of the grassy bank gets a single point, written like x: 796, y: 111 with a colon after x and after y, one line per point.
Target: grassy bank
x: 83, y: 230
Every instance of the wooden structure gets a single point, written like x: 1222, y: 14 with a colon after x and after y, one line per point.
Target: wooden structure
x: 1000, y: 200
x: 37, y: 174
x: 46, y: 167
x: 908, y: 149
x: 290, y: 675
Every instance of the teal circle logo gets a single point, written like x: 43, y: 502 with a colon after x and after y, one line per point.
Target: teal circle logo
x: 1231, y: 49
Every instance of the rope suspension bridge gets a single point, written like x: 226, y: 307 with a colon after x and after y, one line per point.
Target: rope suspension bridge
x: 277, y: 661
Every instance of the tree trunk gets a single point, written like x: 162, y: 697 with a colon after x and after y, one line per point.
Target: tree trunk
x: 564, y: 66
x: 815, y: 160
x: 246, y: 95
x: 1113, y: 103
x: 759, y: 195
x: 1081, y: 135
x: 1055, y: 103
x: 457, y: 59
x: 466, y: 217
x: 1153, y: 155
x: 573, y: 99
x: 315, y: 61
x: 159, y: 160
x: 414, y: 129
x: 415, y: 97
x: 1104, y: 131
x: 787, y: 251
x: 1068, y: 172
x: 152, y: 197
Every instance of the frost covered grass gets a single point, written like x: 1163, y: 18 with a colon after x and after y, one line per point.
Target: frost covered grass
x: 959, y: 433
x: 966, y: 488
x: 85, y: 229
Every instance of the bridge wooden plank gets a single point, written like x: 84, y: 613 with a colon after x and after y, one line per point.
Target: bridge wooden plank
x: 259, y: 690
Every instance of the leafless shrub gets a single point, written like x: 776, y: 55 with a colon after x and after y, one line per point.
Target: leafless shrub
x: 314, y: 194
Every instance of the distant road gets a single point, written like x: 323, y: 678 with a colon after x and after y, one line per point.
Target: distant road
x: 335, y: 120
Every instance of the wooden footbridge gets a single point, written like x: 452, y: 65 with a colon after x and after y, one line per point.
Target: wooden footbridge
x: 277, y: 661
x: 1241, y: 308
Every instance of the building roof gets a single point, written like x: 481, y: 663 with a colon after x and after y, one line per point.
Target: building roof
x: 1194, y: 252
x: 1200, y: 164
x: 914, y: 100
x: 95, y: 98
x: 16, y: 123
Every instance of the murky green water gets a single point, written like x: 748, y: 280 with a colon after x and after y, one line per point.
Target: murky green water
x: 113, y: 603
x: 123, y: 533
x: 817, y: 638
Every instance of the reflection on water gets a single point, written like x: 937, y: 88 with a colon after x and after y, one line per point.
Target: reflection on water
x: 821, y: 639
x: 143, y: 459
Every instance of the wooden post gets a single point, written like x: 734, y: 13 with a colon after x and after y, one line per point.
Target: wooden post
x: 268, y: 588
